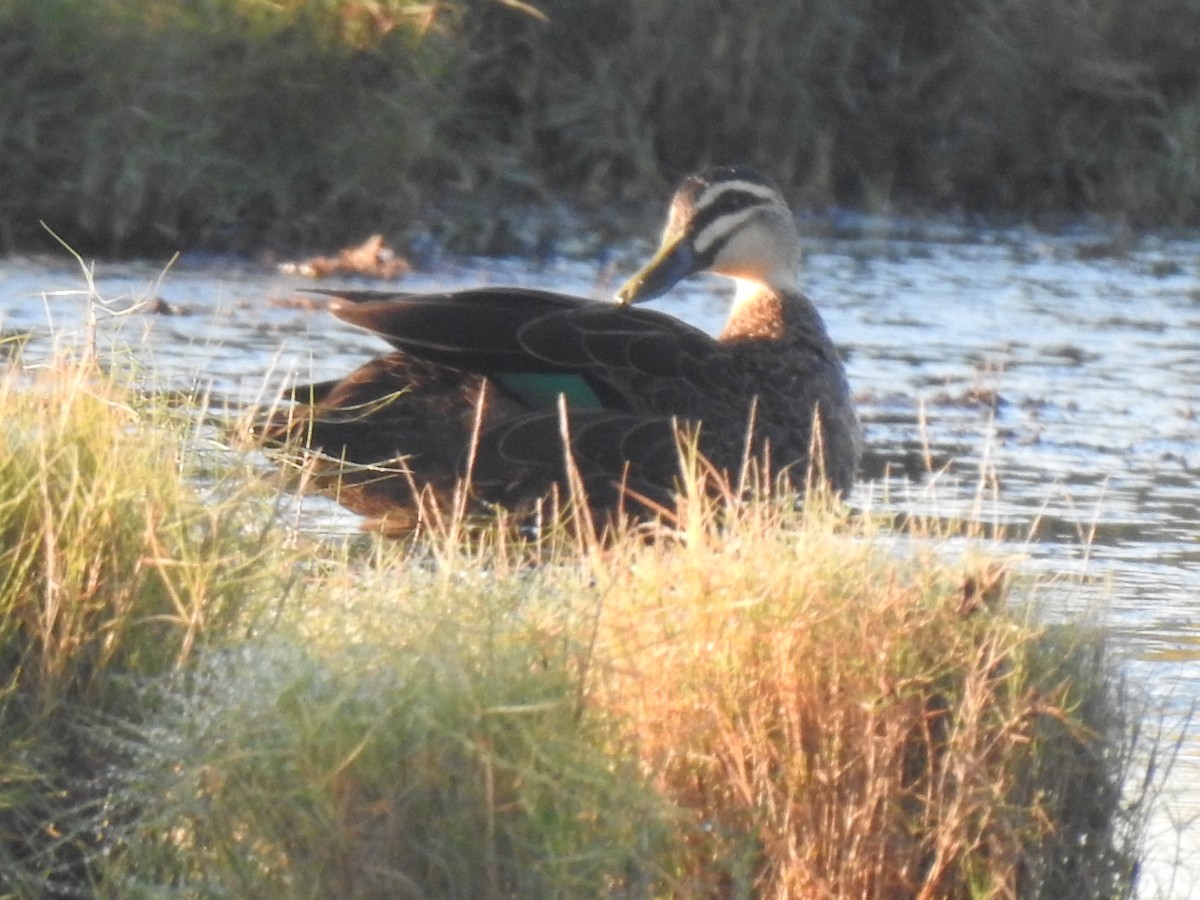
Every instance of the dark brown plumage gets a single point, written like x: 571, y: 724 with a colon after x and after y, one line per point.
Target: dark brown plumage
x: 484, y: 384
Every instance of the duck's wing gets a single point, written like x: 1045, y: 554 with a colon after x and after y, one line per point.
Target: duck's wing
x: 538, y: 344
x: 657, y: 363
x: 478, y: 330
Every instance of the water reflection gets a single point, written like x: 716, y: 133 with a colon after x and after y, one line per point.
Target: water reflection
x: 1053, y: 392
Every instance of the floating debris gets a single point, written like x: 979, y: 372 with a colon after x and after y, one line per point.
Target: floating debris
x: 293, y: 301
x: 371, y: 258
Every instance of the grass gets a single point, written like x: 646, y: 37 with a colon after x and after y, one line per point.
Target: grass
x: 782, y: 706
x: 853, y: 719
x: 238, y: 124
x: 113, y: 567
x: 762, y: 702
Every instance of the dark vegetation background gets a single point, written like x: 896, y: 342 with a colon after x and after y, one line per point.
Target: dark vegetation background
x: 141, y: 125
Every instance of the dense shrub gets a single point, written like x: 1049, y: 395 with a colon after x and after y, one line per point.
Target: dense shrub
x: 137, y: 123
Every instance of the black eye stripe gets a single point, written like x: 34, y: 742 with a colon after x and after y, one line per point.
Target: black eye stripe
x: 709, y: 254
x: 709, y: 208
x: 728, y: 203
x: 732, y: 201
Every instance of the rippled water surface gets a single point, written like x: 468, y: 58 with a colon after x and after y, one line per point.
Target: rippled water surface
x: 1046, y: 384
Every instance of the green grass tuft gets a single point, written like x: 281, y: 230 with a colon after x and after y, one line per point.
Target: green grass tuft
x: 113, y: 567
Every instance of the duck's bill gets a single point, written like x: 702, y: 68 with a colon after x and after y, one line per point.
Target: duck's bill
x: 670, y: 265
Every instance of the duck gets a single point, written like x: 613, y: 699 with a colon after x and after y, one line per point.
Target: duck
x: 511, y: 395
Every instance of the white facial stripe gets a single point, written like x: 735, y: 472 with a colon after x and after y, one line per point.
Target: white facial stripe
x: 722, y: 228
x: 762, y: 191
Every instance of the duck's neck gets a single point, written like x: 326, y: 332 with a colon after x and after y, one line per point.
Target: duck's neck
x: 779, y: 313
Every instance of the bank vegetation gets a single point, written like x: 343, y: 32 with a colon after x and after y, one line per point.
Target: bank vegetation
x: 198, y: 700
x: 139, y: 125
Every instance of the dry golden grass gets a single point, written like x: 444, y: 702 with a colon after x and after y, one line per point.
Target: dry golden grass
x: 756, y: 701
x: 847, y: 714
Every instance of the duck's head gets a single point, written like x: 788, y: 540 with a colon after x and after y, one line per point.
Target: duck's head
x: 730, y: 220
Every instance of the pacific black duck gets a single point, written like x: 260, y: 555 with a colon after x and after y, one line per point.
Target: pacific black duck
x: 485, y: 384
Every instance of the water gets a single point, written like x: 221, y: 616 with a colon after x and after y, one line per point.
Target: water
x: 1052, y: 383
